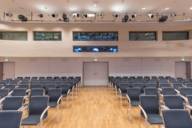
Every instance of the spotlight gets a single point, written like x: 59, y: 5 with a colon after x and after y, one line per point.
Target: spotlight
x: 115, y: 15
x: 163, y: 18
x: 125, y: 18
x: 54, y: 15
x: 65, y: 18
x: 8, y: 14
x: 22, y: 18
x: 150, y: 15
x: 85, y: 15
x: 40, y: 15
x: 133, y: 16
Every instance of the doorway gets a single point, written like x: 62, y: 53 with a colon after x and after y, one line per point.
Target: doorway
x: 8, y: 70
x: 95, y: 73
x: 183, y: 69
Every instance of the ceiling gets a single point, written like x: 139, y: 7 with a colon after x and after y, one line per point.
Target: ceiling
x: 53, y: 6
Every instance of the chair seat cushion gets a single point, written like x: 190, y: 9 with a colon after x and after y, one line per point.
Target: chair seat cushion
x: 31, y: 120
x: 135, y: 103
x: 52, y: 104
x: 154, y: 119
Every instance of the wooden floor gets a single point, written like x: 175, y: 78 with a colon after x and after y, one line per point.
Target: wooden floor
x: 94, y: 107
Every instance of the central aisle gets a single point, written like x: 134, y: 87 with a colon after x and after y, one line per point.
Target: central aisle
x: 94, y: 107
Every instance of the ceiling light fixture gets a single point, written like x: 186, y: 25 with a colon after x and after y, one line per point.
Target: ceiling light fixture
x: 150, y: 15
x: 22, y: 18
x: 143, y: 8
x: 6, y: 60
x: 163, y: 18
x: 166, y: 9
x: 118, y: 8
x: 91, y: 15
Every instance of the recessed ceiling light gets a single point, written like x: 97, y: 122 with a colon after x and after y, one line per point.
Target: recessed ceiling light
x: 190, y: 8
x: 183, y: 59
x: 95, y: 5
x: 73, y: 8
x: 6, y: 59
x: 95, y: 59
x: 166, y: 9
x: 143, y: 8
x: 44, y: 8
x: 118, y: 8
x: 94, y: 8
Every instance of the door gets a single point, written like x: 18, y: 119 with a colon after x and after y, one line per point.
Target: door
x: 1, y: 70
x: 95, y: 73
x: 183, y: 69
x: 8, y: 70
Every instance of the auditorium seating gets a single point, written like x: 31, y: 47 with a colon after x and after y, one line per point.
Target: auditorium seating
x: 174, y: 102
x: 55, y: 95
x: 156, y: 94
x: 168, y: 91
x: 38, y: 110
x: 133, y: 95
x: 150, y: 108
x: 35, y: 93
x: 10, y: 119
x: 177, y: 119
x: 13, y: 103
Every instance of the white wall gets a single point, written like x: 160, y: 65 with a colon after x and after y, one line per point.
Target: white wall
x: 127, y: 48
x: 48, y: 68
x: 131, y: 66
x: 142, y: 67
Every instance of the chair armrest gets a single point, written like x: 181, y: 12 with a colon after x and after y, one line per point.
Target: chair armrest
x: 28, y: 90
x: 178, y: 92
x: 59, y: 100
x: 189, y: 107
x: 119, y: 91
x: 159, y: 89
x: 23, y: 108
x: 183, y: 97
x: 43, y: 113
x: 143, y: 111
x: 164, y: 107
x: 9, y: 94
x: 128, y: 98
x: 68, y: 92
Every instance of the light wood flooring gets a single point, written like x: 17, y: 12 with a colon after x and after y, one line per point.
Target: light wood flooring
x: 94, y: 107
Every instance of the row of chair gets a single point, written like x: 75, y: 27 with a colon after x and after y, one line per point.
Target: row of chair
x: 159, y: 100
x: 34, y: 101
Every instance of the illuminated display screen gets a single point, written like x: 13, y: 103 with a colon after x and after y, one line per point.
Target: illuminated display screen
x: 79, y: 49
x: 95, y: 36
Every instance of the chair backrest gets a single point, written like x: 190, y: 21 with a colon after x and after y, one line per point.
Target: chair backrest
x: 10, y: 119
x: 37, y: 92
x: 164, y: 85
x: 186, y: 91
x: 151, y: 91
x: 177, y: 119
x: 38, y: 104
x: 134, y: 93
x: 168, y: 91
x: 189, y: 97
x: 4, y: 92
x: 10, y: 87
x: 174, y: 102
x: 54, y: 94
x: 12, y: 103
x: 19, y: 92
x: 150, y: 104
x: 177, y: 85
